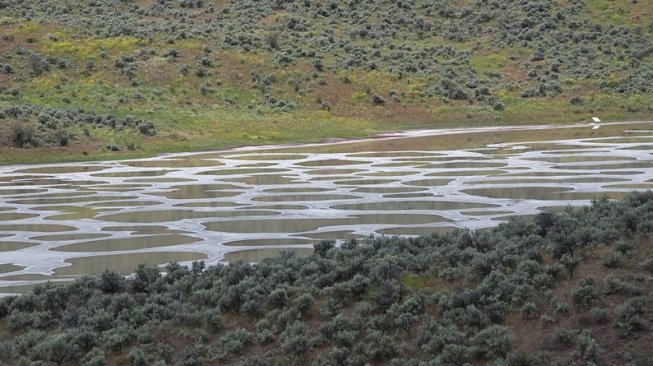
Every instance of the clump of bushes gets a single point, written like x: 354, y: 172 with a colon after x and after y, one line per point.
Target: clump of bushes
x: 27, y: 126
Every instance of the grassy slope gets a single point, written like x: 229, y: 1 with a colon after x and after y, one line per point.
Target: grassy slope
x: 232, y: 109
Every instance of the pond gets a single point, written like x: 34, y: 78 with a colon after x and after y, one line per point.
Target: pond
x: 59, y: 221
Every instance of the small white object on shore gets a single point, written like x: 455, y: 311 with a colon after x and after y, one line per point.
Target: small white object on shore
x: 595, y: 123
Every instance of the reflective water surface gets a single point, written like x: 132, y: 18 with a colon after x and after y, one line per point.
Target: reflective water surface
x: 65, y: 220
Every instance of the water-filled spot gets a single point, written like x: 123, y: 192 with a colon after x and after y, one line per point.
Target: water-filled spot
x: 592, y: 195
x: 464, y: 165
x: 268, y: 242
x: 298, y: 225
x: 174, y: 163
x: 255, y: 165
x: 296, y: 190
x: 263, y: 157
x: 13, y: 192
x: 258, y: 255
x: 620, y: 172
x: 422, y: 231
x: 334, y: 235
x: 132, y: 243
x: 402, y: 164
x: 121, y: 188
x: 591, y: 180
x: 331, y: 162
x: 73, y: 216
x: 109, y: 186
x: 42, y: 228
x: 123, y: 263
x: 272, y: 226
x: 135, y: 173
x: 159, y: 180
x: 400, y: 173
x: 443, y: 159
x: 640, y: 186
x: 407, y: 195
x: 8, y: 246
x: 333, y: 171
x: 66, y: 237
x: 581, y: 159
x: 11, y: 178
x: 118, y: 204
x: 304, y: 198
x: 8, y: 267
x: 11, y: 216
x: 36, y: 182
x: 143, y: 229
x: 383, y: 190
x: 405, y: 219
x: 63, y: 169
x: 58, y: 201
x: 194, y: 193
x: 210, y: 204
x: 393, y: 154
x: 542, y: 180
x: 428, y: 182
x: 638, y: 147
x: 59, y: 195
x: 634, y: 165
x: 242, y: 171
x: 73, y: 213
x: 263, y: 180
x: 329, y: 178
x: 537, y: 193
x: 487, y: 213
x: 364, y: 182
x: 177, y: 215
x: 412, y: 205
x: 546, y: 174
x: 280, y: 207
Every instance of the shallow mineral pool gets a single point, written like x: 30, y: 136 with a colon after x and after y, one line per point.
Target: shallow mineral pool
x: 59, y: 221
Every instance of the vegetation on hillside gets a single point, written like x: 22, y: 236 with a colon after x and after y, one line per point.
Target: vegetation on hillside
x: 567, y: 288
x: 215, y: 73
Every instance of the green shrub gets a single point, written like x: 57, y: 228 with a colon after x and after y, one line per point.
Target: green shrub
x: 233, y: 342
x: 586, y: 347
x: 630, y: 314
x: 494, y: 342
x: 563, y: 336
x: 584, y: 294
x: 613, y: 260
x: 294, y: 342
x: 600, y: 315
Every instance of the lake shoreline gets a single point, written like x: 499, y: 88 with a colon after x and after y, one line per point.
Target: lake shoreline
x: 15, y: 157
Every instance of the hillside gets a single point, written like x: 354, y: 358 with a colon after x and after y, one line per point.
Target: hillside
x: 117, y: 78
x: 567, y: 288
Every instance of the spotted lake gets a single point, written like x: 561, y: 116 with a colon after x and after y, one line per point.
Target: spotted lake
x: 65, y: 220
